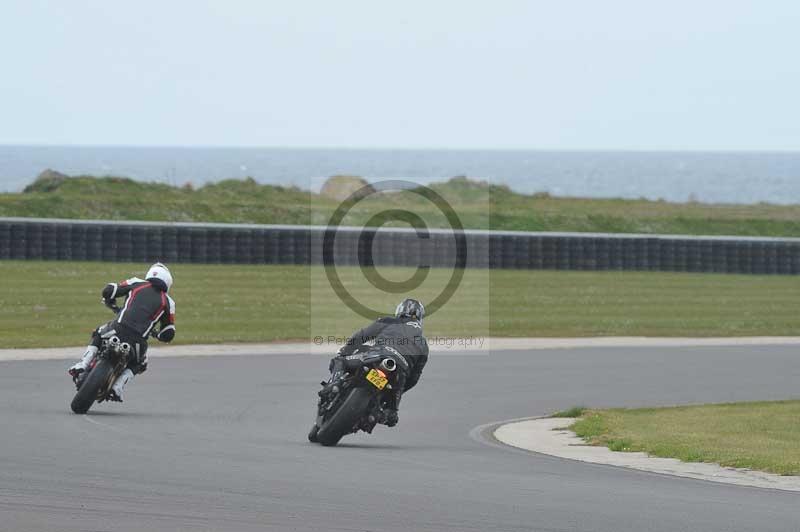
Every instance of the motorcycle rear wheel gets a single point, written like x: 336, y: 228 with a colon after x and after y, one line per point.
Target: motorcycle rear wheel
x: 87, y: 394
x: 341, y: 423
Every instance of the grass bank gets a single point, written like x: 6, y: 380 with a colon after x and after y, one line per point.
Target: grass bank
x: 764, y: 436
x: 57, y: 303
x: 479, y: 205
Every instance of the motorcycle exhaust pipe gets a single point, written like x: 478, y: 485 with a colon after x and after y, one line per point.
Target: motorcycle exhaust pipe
x: 389, y: 364
x: 124, y: 348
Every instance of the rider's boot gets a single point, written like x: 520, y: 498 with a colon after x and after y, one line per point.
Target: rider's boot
x: 390, y: 411
x: 119, y: 385
x: 329, y: 386
x: 336, y: 368
x: 83, y: 363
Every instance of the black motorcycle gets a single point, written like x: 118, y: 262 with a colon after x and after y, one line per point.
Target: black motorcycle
x: 95, y: 383
x: 356, y: 398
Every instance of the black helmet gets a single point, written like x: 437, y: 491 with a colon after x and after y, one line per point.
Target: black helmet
x: 410, y: 308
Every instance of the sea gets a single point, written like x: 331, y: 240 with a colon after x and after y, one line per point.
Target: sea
x: 712, y: 177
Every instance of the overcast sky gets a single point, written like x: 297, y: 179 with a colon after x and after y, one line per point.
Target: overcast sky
x: 444, y: 73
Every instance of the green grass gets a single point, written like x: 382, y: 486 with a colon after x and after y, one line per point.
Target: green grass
x: 479, y: 205
x: 764, y: 436
x: 57, y: 303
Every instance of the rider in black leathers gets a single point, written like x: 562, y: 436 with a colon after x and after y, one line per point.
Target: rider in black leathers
x: 400, y: 336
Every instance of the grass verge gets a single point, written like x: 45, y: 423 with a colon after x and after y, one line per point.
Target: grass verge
x: 761, y: 435
x: 57, y: 303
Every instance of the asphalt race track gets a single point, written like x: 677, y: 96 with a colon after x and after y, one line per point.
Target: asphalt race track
x: 220, y: 444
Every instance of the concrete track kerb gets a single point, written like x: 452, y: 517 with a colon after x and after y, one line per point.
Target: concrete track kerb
x: 441, y: 346
x: 552, y: 437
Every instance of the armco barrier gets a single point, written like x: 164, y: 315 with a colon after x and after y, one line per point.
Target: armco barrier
x: 52, y: 239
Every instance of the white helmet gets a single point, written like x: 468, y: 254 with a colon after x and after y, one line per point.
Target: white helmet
x: 159, y: 271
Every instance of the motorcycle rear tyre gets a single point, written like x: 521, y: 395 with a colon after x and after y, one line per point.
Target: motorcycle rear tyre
x: 341, y: 423
x: 87, y: 394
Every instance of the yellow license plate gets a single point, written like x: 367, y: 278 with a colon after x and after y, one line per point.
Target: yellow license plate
x: 377, y: 379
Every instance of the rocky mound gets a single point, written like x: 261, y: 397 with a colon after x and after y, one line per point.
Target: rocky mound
x: 340, y: 187
x: 47, y: 181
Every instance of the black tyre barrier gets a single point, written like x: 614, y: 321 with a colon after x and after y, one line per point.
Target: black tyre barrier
x: 45, y: 239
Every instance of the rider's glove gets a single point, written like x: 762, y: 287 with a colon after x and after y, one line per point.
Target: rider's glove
x: 391, y: 417
x: 166, y: 334
x: 343, y: 351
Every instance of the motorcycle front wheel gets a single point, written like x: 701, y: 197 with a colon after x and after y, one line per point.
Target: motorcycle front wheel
x: 312, y: 434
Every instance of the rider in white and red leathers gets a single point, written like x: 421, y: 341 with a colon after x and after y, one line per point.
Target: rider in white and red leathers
x: 147, y: 305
